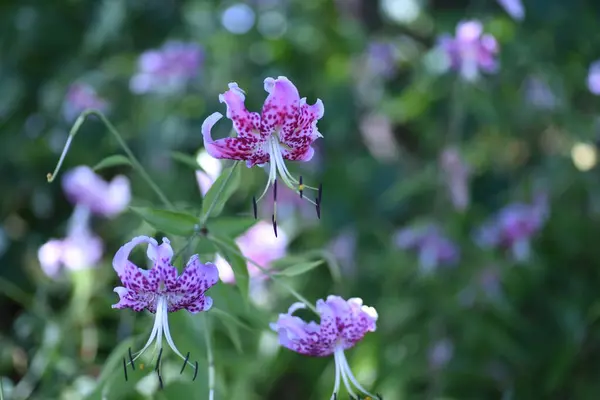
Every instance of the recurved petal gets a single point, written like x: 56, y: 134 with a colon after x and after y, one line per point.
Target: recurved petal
x: 301, y: 337
x: 162, y: 269
x: 133, y: 277
x: 129, y: 299
x: 197, y: 277
x: 201, y: 303
x: 353, y: 319
x: 246, y: 124
x: 282, y: 106
x: 250, y: 149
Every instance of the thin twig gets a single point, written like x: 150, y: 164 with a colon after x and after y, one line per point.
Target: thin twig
x: 134, y: 161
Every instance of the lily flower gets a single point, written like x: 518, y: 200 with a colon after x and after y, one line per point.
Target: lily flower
x: 514, y: 226
x: 79, y: 97
x: 471, y: 50
x: 85, y: 188
x: 343, y: 324
x: 433, y: 247
x: 80, y: 249
x: 285, y: 130
x: 160, y: 291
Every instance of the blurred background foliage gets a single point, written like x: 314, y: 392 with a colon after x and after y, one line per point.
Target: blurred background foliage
x: 487, y: 326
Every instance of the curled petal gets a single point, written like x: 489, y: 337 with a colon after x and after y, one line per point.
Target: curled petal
x: 250, y: 148
x: 246, y: 124
x: 118, y: 197
x: 296, y: 142
x: 202, y: 303
x: 130, y: 299
x: 197, y: 277
x: 133, y: 277
x: 281, y: 107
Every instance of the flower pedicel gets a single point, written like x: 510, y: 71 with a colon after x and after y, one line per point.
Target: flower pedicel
x: 285, y: 130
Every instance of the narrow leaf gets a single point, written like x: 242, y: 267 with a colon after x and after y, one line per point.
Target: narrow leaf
x: 234, y: 334
x: 300, y: 269
x: 230, y: 226
x: 224, y: 315
x: 186, y: 160
x: 112, y: 161
x: 223, y: 188
x: 173, y: 222
x: 237, y: 262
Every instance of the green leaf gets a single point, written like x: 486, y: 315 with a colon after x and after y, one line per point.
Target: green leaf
x: 230, y: 226
x: 231, y: 252
x: 186, y: 160
x: 224, y: 315
x: 300, y: 269
x: 112, y: 161
x: 173, y: 222
x: 221, y: 191
x: 234, y: 334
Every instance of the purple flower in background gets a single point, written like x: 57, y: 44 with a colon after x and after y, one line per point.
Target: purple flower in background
x: 211, y: 169
x: 168, y: 69
x: 513, y: 227
x: 381, y: 58
x: 81, y: 96
x: 471, y: 50
x: 343, y: 247
x: 161, y: 291
x: 593, y: 79
x: 539, y: 94
x: 285, y: 130
x: 83, y: 187
x: 440, y: 353
x: 514, y: 8
x: 456, y: 177
x: 433, y: 247
x: 80, y: 249
x: 258, y: 245
x: 343, y: 323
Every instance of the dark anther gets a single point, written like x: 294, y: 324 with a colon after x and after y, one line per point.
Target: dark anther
x: 187, y: 357
x: 204, y: 231
x: 320, y: 196
x: 274, y: 224
x: 318, y: 207
x: 160, y: 381
x: 335, y: 396
x: 275, y: 190
x: 254, y: 207
x: 301, y: 187
x: 379, y: 397
x: 195, y: 371
x: 125, y: 368
x: 131, y: 359
x: 158, y: 360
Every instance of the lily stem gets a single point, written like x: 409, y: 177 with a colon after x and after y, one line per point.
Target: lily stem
x: 269, y: 274
x: 134, y: 161
x: 210, y: 359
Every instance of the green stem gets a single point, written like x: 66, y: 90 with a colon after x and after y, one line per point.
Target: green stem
x: 267, y: 272
x: 204, y: 218
x: 1, y: 388
x: 210, y: 359
x: 134, y: 161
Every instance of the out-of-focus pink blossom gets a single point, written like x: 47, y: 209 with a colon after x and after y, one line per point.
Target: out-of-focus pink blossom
x: 81, y: 96
x: 471, y: 51
x: 84, y: 187
x: 514, y: 226
x: 456, y: 173
x: 259, y: 245
x: 539, y: 94
x: 343, y: 247
x: 593, y: 79
x: 514, y: 8
x: 80, y: 249
x: 211, y: 169
x: 167, y: 69
x: 440, y: 353
x: 381, y: 58
x: 434, y: 249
